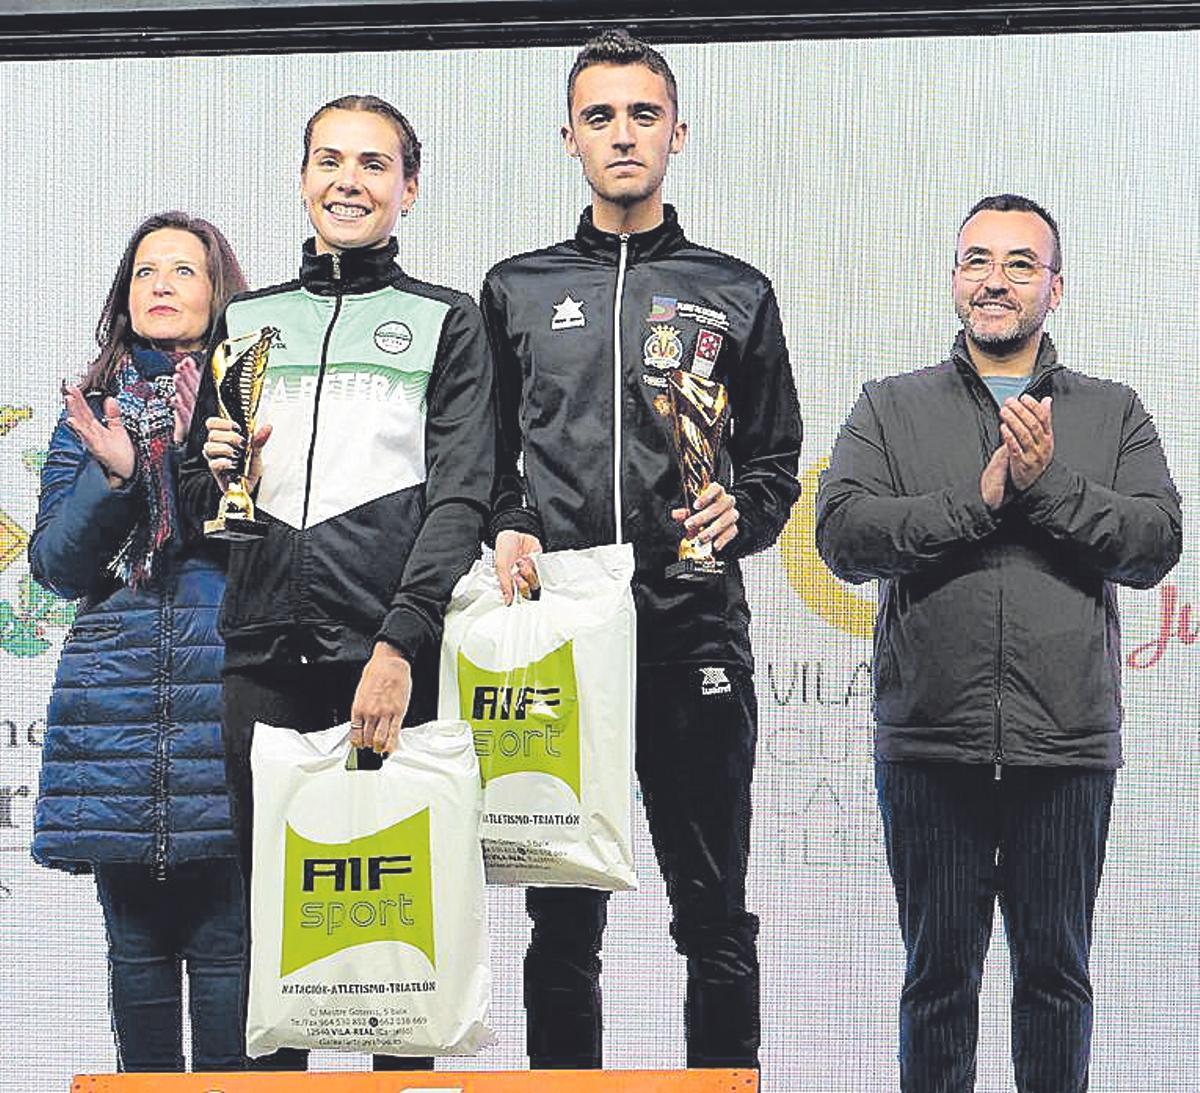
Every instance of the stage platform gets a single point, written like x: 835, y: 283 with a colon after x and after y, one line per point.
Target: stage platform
x: 509, y: 1081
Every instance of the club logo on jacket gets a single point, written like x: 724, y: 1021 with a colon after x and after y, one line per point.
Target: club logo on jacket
x: 568, y: 315
x: 708, y: 348
x: 714, y: 681
x: 662, y: 309
x: 393, y: 336
x: 663, y: 349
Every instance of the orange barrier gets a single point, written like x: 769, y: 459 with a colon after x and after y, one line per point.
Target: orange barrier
x: 512, y: 1081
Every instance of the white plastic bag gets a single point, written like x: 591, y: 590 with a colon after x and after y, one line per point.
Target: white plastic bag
x: 547, y: 686
x: 367, y: 909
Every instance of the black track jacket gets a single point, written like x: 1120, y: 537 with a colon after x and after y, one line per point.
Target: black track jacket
x: 583, y: 334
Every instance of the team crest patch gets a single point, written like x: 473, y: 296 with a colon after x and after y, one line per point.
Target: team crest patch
x: 714, y: 681
x: 393, y: 337
x: 568, y: 315
x: 708, y: 348
x: 663, y: 349
x: 662, y: 309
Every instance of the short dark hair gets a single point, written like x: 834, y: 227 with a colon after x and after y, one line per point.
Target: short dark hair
x: 114, y: 331
x: 1016, y: 203
x: 410, y: 146
x: 618, y: 47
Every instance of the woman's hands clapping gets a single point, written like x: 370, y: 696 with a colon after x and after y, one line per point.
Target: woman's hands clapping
x: 108, y: 442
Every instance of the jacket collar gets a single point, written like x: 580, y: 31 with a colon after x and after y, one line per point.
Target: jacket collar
x: 151, y: 362
x: 1046, y: 362
x: 668, y: 236
x: 363, y: 269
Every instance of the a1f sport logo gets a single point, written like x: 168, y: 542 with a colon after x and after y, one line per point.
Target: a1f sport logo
x: 525, y: 719
x: 375, y: 888
x: 502, y: 703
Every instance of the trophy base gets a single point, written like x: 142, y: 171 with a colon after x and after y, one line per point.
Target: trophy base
x: 234, y: 529
x: 695, y: 569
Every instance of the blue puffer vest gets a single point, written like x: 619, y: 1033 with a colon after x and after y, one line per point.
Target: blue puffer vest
x: 132, y: 766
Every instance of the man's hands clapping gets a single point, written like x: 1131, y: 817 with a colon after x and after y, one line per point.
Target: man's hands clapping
x: 1026, y: 428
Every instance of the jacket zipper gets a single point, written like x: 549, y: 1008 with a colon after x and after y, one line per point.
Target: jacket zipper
x: 1040, y: 382
x: 997, y: 739
x: 312, y: 445
x: 618, y: 387
x: 163, y: 713
x: 975, y: 386
x: 997, y: 746
x: 998, y: 676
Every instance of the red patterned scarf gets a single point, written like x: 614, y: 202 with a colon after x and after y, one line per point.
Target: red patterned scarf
x: 144, y: 395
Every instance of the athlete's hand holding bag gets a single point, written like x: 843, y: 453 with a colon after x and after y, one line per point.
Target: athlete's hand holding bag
x: 547, y: 686
x: 368, y: 919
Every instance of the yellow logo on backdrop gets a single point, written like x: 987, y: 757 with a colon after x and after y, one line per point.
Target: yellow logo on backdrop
x: 13, y: 537
x: 832, y: 600
x: 24, y: 624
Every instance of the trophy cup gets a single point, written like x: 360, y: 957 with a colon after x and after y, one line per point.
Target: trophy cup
x: 699, y: 409
x: 239, y: 388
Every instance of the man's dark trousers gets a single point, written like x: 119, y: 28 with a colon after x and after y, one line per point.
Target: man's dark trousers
x: 957, y: 838
x: 696, y: 732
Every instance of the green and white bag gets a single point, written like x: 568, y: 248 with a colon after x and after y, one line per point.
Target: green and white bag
x: 367, y: 906
x: 547, y: 686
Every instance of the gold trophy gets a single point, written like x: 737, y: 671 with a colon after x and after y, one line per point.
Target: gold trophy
x: 699, y: 409
x: 239, y: 388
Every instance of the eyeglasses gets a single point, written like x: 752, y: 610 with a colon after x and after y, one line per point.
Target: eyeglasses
x: 1020, y: 271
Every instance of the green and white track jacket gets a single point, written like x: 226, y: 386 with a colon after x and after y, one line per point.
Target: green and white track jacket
x: 377, y: 473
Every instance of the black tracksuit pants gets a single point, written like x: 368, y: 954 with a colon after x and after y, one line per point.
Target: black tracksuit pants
x: 696, y: 730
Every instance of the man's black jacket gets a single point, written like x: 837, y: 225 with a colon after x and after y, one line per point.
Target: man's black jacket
x: 583, y: 334
x: 997, y: 639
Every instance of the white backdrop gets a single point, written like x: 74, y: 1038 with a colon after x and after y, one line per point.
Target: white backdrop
x: 840, y: 168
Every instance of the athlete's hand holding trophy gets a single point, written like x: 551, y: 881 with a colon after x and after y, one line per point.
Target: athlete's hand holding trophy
x: 239, y: 383
x: 699, y: 409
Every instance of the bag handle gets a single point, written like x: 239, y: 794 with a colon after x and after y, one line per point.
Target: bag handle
x: 536, y: 594
x: 356, y: 756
